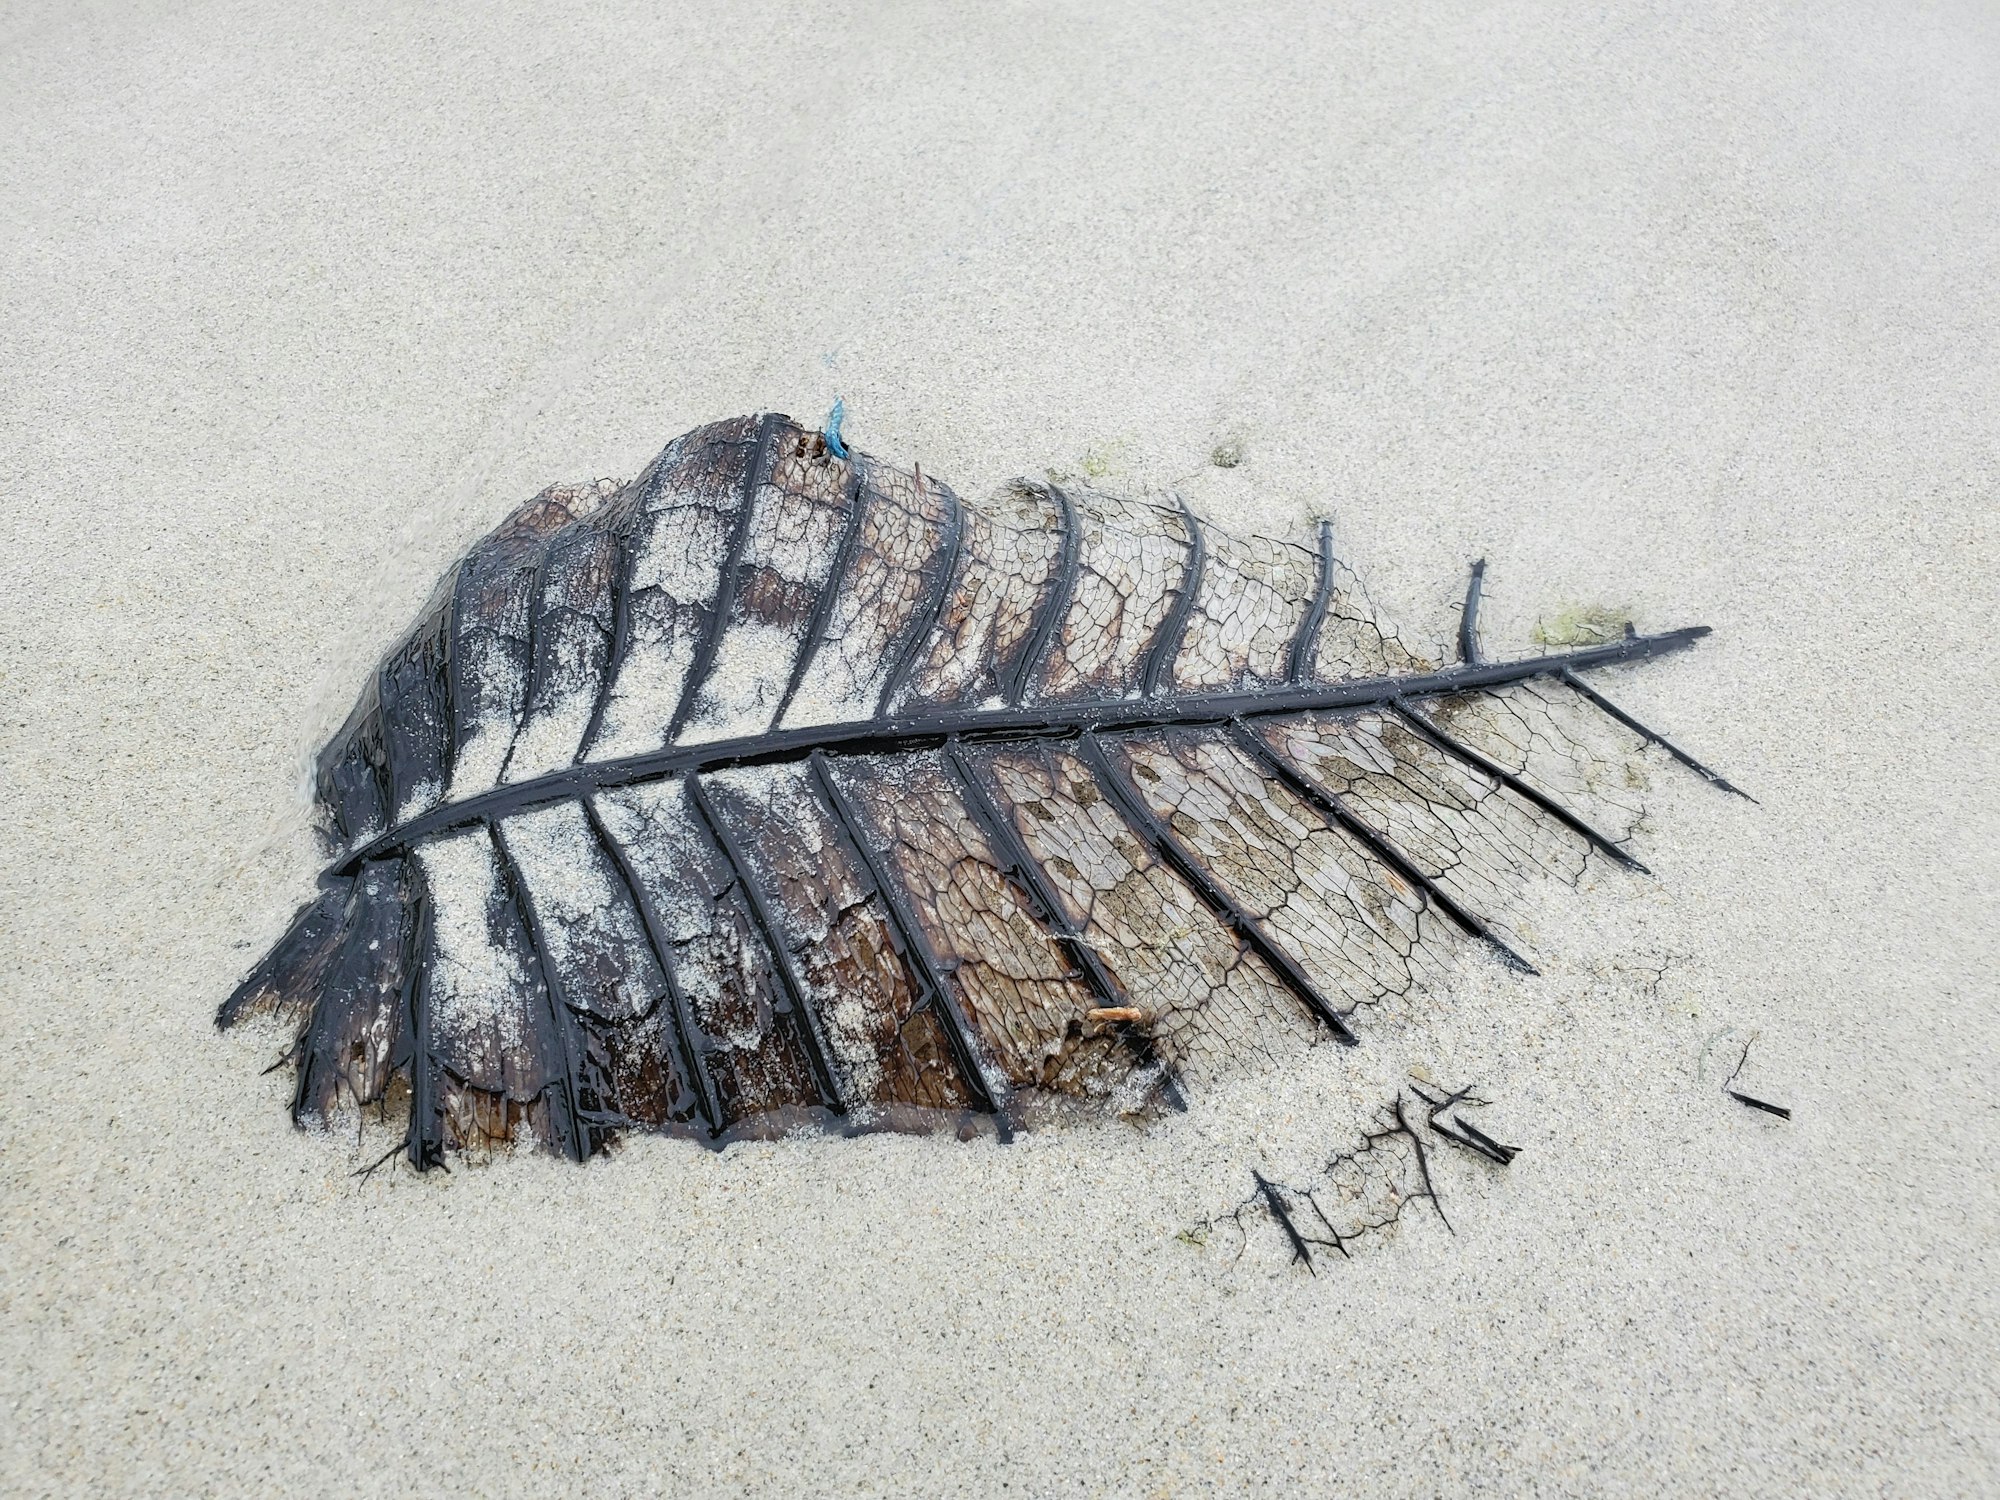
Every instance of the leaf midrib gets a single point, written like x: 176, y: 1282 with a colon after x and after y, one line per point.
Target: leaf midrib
x: 905, y: 732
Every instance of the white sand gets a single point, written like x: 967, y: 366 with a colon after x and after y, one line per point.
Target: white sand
x: 1679, y: 309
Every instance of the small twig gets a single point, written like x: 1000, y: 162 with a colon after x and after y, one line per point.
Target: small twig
x: 1781, y: 1111
x: 1500, y: 1153
x: 1339, y: 1243
x: 1769, y: 1108
x: 1423, y: 1163
x: 1276, y: 1202
x: 1466, y: 1136
x: 370, y: 1170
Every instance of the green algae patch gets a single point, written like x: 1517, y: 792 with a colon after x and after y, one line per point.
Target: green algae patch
x: 1582, y: 625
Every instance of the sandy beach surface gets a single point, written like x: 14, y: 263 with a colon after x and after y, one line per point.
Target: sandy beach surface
x: 1686, y: 311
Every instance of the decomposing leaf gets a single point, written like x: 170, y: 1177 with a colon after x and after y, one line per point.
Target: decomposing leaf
x: 781, y: 786
x: 1359, y: 1190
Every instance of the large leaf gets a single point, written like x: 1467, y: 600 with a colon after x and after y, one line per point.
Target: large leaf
x: 779, y: 786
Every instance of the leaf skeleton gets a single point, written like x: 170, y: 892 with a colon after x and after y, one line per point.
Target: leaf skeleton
x: 780, y: 787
